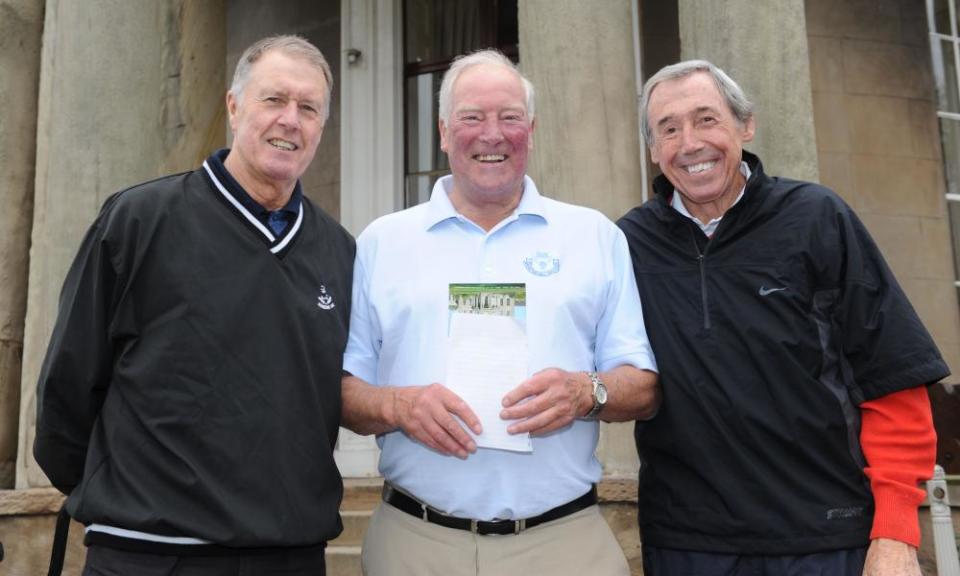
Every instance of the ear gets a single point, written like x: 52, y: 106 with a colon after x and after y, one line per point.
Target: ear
x: 443, y: 134
x: 655, y: 154
x: 533, y: 126
x: 749, y: 129
x: 232, y: 111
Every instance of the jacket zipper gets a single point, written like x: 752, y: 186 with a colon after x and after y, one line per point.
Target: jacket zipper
x: 703, y: 290
x: 702, y: 261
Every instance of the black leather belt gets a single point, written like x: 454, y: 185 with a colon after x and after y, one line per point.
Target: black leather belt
x: 414, y: 507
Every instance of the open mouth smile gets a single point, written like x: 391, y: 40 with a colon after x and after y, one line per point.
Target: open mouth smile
x: 490, y: 158
x: 700, y: 167
x: 282, y: 144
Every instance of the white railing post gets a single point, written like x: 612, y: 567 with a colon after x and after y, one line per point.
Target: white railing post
x: 944, y: 540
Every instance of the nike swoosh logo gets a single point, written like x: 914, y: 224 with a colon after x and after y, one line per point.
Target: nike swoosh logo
x: 764, y: 291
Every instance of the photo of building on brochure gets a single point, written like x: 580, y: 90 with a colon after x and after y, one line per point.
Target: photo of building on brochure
x: 490, y: 300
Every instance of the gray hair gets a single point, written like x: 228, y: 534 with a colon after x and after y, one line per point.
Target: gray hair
x: 291, y: 45
x: 741, y: 107
x: 461, y: 63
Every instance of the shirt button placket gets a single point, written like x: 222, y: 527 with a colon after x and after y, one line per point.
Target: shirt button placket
x: 486, y: 267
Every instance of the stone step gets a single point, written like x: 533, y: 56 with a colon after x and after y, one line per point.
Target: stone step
x: 343, y: 560
x: 361, y: 493
x: 355, y: 524
x: 360, y: 498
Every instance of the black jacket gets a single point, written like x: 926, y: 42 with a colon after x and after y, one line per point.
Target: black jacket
x: 192, y: 383
x: 768, y: 336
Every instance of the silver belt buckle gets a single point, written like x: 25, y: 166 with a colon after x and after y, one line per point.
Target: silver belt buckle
x: 519, y: 525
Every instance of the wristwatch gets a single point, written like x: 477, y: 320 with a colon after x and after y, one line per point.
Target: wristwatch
x: 599, y: 396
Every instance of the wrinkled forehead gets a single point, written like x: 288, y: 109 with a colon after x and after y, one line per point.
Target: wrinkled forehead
x: 280, y: 65
x: 485, y: 81
x: 696, y: 91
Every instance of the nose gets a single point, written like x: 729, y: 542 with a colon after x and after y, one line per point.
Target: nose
x: 290, y: 115
x: 492, y: 132
x: 689, y: 140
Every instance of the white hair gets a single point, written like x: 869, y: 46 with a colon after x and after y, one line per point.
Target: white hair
x: 741, y: 107
x: 291, y: 45
x: 461, y: 63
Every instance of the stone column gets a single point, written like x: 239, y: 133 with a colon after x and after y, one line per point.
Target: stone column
x: 129, y: 90
x: 586, y: 143
x: 21, y: 26
x: 763, y: 46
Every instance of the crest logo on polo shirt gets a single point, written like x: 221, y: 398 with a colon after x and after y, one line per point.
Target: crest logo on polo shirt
x: 324, y: 300
x: 542, y: 264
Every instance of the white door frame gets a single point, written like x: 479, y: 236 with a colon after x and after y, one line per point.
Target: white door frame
x: 371, y: 105
x: 371, y: 150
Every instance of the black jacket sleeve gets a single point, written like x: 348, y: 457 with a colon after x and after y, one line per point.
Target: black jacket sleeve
x: 884, y: 341
x: 77, y: 369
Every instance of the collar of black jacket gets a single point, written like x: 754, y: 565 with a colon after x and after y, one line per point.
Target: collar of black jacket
x: 753, y: 198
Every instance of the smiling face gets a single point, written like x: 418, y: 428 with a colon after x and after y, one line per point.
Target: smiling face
x: 698, y: 143
x: 489, y: 135
x: 277, y: 122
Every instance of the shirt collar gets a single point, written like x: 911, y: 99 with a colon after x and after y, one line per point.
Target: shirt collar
x: 441, y: 208
x: 291, y: 208
x: 710, y: 227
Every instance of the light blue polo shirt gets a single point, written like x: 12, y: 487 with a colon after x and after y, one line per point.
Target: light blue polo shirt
x: 583, y: 313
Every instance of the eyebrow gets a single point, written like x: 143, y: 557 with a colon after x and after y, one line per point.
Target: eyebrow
x: 475, y: 109
x: 283, y: 93
x: 697, y: 111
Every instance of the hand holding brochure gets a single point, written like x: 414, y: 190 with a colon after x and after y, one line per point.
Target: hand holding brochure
x: 488, y: 355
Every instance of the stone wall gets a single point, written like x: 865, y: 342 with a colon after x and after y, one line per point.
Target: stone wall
x: 27, y: 521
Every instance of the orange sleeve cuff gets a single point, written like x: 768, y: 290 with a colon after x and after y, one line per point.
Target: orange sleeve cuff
x: 900, y: 446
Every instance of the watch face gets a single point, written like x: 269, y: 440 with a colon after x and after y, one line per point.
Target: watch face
x: 601, y: 394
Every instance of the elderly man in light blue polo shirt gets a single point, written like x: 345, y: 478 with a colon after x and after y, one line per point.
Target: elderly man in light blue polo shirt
x: 451, y: 507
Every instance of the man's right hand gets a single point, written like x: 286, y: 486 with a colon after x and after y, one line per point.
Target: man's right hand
x: 426, y: 414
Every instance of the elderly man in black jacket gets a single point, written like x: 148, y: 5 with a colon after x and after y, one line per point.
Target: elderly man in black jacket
x: 189, y: 402
x: 795, y: 423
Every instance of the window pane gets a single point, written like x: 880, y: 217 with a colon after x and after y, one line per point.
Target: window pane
x: 947, y: 79
x: 950, y: 137
x: 441, y: 30
x: 508, y: 28
x: 423, y: 141
x: 417, y: 188
x: 438, y: 30
x: 941, y: 13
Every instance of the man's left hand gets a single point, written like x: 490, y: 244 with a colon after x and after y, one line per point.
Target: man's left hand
x: 554, y: 399
x: 887, y: 557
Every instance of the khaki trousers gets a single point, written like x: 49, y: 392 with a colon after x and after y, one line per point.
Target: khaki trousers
x: 397, y: 544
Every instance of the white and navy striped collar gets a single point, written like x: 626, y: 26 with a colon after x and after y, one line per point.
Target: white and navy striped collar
x: 277, y: 246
